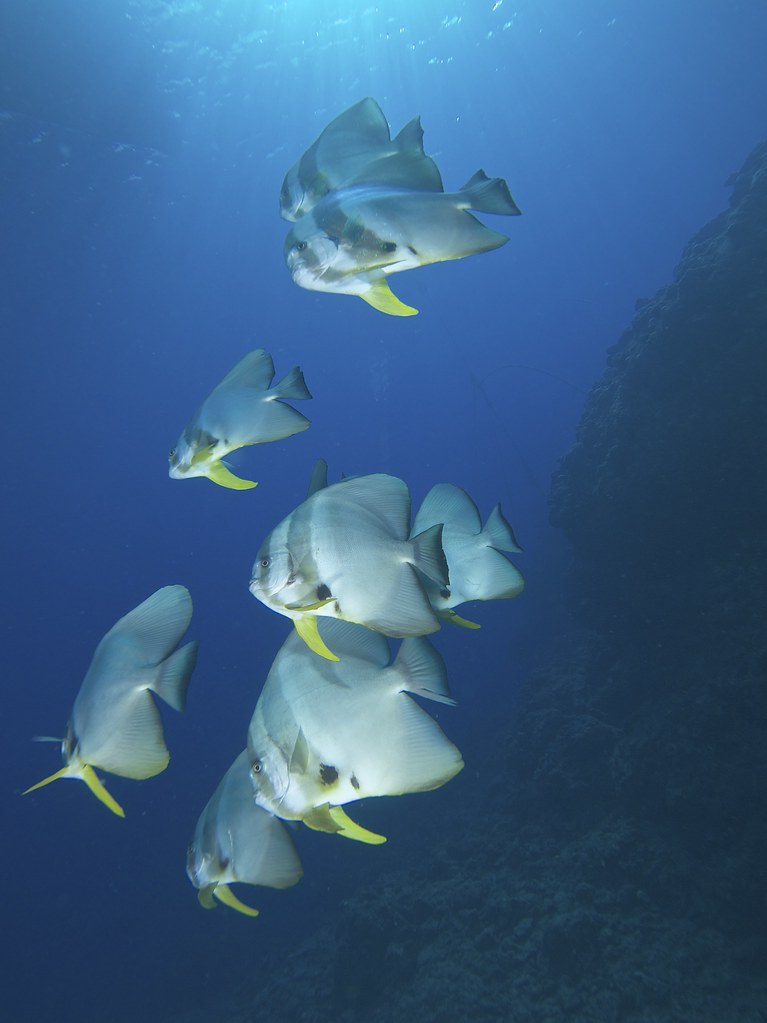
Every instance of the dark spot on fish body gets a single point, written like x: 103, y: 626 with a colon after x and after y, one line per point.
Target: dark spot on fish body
x: 328, y: 774
x: 444, y: 593
x: 388, y: 246
x: 323, y: 592
x: 206, y: 440
x: 414, y: 251
x: 355, y: 783
x: 353, y: 231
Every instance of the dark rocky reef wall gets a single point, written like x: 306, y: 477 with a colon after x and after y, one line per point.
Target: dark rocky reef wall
x: 608, y: 863
x: 664, y: 495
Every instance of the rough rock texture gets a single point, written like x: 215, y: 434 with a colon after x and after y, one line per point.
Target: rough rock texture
x: 667, y: 483
x: 617, y: 871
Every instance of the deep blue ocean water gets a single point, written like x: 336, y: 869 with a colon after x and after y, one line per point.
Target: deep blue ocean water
x: 142, y: 147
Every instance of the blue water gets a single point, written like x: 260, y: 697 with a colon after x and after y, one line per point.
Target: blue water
x: 142, y: 146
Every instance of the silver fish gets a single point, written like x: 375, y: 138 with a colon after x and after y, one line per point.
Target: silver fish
x: 353, y: 239
x: 324, y: 734
x: 243, y: 409
x: 345, y: 553
x: 478, y: 571
x: 237, y: 841
x: 353, y: 148
x: 115, y: 724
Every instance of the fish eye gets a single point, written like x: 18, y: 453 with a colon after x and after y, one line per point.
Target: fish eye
x: 265, y: 562
x: 256, y: 767
x: 172, y: 453
x: 300, y: 246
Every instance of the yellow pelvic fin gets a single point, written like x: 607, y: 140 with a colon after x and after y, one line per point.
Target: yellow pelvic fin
x: 98, y: 790
x: 451, y: 616
x: 354, y: 831
x: 202, y: 454
x: 319, y: 819
x: 219, y: 473
x: 88, y: 775
x: 205, y: 897
x: 225, y: 894
x: 381, y: 297
x: 65, y: 772
x: 306, y: 627
x: 311, y: 607
x: 334, y: 821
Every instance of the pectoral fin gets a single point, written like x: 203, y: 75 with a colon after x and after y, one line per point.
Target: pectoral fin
x: 306, y: 627
x: 225, y: 894
x: 381, y: 297
x: 219, y: 473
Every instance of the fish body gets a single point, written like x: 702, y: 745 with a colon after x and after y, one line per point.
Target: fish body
x: 242, y: 409
x: 237, y: 841
x: 325, y: 733
x: 345, y: 552
x: 115, y: 724
x: 477, y: 569
x: 356, y: 146
x: 356, y: 237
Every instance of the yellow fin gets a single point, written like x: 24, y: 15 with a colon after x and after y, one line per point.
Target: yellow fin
x: 310, y: 607
x: 98, y: 790
x: 88, y: 775
x: 451, y: 616
x: 225, y: 894
x: 65, y: 772
x: 319, y: 819
x: 202, y: 454
x: 354, y: 831
x: 381, y: 297
x: 205, y: 897
x: 219, y: 473
x: 307, y: 629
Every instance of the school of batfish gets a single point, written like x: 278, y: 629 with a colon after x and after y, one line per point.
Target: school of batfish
x: 336, y: 720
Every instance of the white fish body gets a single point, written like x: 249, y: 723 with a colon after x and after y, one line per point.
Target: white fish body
x: 115, y: 724
x: 345, y: 553
x: 356, y: 237
x: 477, y: 569
x: 242, y: 409
x: 236, y: 841
x: 355, y: 147
x: 324, y: 734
